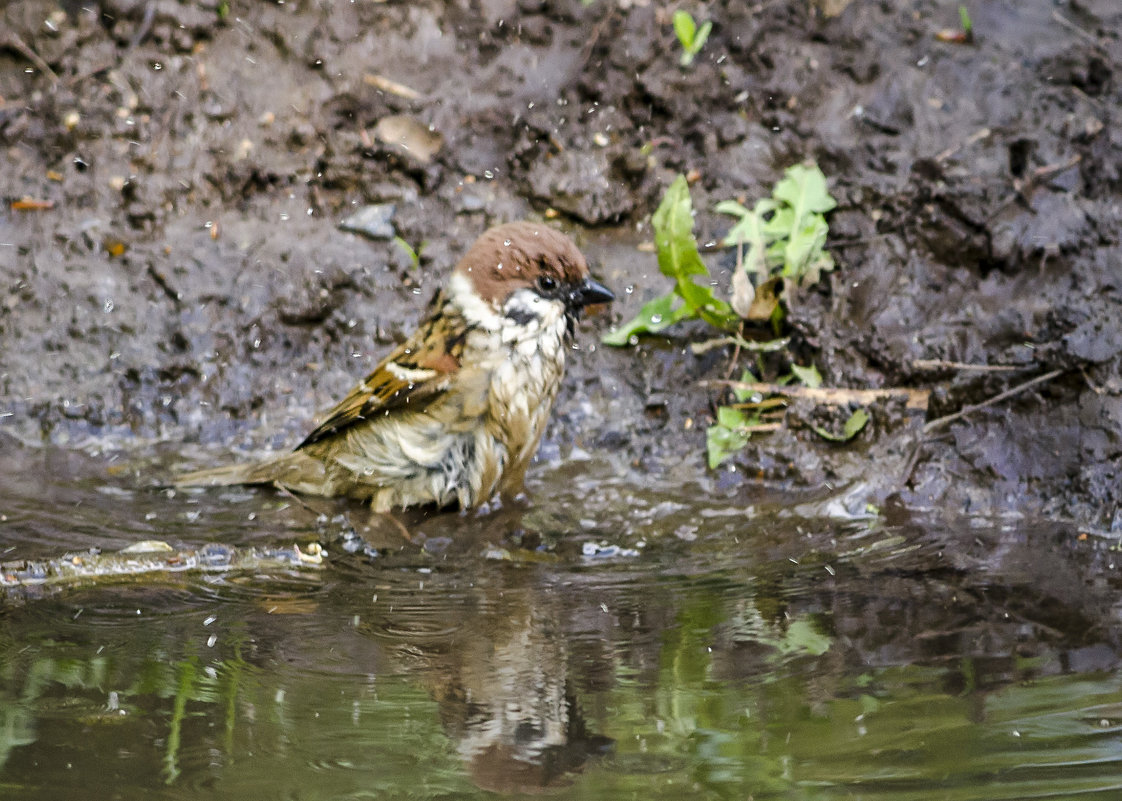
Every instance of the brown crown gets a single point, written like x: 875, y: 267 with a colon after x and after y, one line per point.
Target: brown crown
x: 512, y: 256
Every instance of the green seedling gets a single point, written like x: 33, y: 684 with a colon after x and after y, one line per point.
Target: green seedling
x: 678, y: 260
x: 851, y: 429
x: 733, y: 427
x: 967, y: 23
x: 786, y: 233
x: 413, y: 254
x: 691, y: 37
x: 965, y: 32
x: 737, y: 421
x: 809, y: 376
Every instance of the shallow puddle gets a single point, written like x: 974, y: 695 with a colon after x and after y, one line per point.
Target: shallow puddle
x: 624, y: 637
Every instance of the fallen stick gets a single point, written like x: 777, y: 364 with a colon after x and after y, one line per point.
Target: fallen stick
x: 965, y: 410
x: 832, y: 396
x: 940, y: 364
x: 393, y: 87
x: 13, y: 41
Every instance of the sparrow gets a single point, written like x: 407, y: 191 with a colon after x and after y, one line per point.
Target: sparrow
x: 455, y: 413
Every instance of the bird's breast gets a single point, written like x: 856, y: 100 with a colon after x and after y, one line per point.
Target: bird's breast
x: 524, y: 383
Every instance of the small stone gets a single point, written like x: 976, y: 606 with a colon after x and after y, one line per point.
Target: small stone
x: 374, y: 222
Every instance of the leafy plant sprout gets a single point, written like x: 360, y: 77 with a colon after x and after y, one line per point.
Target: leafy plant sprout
x: 785, y: 237
x: 691, y: 37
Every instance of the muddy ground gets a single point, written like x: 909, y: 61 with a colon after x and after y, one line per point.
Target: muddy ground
x: 189, y: 284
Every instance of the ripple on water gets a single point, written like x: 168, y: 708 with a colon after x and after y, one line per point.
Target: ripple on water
x: 727, y: 649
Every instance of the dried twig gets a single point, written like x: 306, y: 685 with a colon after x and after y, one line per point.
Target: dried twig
x: 393, y: 87
x: 940, y: 364
x: 832, y: 396
x: 965, y: 410
x: 982, y: 133
x: 15, y: 43
x: 1023, y: 187
x: 1071, y: 26
x: 772, y: 345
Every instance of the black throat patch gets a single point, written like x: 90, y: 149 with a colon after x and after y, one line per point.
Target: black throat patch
x: 521, y: 316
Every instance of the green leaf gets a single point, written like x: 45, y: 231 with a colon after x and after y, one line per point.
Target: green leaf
x: 701, y: 36
x: 413, y: 255
x: 802, y: 638
x: 673, y: 226
x: 743, y: 395
x: 679, y: 260
x: 964, y: 18
x: 808, y: 375
x: 685, y: 28
x: 729, y: 435
x: 752, y: 231
x: 855, y: 423
x: 853, y: 426
x: 655, y: 315
x: 731, y: 417
x: 722, y: 443
x: 804, y: 189
x: 678, y: 257
x: 785, y: 234
x: 690, y: 36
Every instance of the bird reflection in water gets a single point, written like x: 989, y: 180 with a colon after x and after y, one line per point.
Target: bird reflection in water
x: 498, y: 665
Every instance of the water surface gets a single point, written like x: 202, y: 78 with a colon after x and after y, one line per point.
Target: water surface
x: 625, y: 636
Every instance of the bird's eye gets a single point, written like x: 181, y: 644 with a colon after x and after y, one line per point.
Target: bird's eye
x: 547, y: 283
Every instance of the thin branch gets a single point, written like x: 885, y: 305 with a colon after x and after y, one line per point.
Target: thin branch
x: 940, y: 364
x: 832, y: 396
x: 1071, y: 26
x: 981, y: 133
x: 697, y: 348
x: 13, y: 41
x: 393, y: 87
x: 1009, y: 393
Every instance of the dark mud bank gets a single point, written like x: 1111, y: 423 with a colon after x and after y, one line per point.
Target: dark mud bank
x: 188, y: 282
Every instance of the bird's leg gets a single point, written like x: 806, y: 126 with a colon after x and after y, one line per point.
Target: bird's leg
x: 283, y: 490
x: 399, y: 525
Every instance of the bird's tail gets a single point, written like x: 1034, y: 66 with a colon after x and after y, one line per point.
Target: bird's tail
x: 294, y: 471
x: 227, y: 476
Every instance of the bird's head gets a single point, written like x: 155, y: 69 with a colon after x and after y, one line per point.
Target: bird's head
x: 528, y: 272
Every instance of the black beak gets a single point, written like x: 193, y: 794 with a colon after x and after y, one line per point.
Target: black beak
x: 589, y: 292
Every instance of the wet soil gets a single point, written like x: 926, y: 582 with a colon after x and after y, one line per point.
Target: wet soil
x: 189, y: 284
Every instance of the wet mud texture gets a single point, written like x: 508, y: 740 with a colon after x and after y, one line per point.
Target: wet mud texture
x: 189, y: 282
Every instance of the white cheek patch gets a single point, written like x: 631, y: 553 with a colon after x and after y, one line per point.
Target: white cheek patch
x: 476, y: 310
x: 527, y: 315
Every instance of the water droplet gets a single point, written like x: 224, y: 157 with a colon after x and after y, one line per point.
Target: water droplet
x: 499, y: 266
x: 629, y: 288
x: 633, y: 340
x: 108, y: 305
x: 506, y: 243
x: 656, y: 319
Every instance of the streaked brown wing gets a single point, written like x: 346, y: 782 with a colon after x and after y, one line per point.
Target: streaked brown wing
x: 415, y: 372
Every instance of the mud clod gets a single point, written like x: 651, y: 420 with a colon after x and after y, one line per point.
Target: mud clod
x: 184, y: 269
